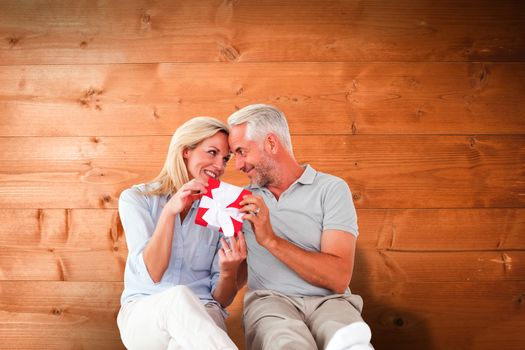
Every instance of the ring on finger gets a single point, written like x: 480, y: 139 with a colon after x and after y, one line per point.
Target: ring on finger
x: 256, y: 211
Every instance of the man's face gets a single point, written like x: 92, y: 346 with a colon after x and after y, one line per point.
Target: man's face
x: 250, y: 157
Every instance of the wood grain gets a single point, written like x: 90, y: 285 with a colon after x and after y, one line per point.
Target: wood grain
x: 432, y: 230
x: 104, y: 266
x: 59, y: 315
x: 62, y: 229
x: 237, y: 31
x: 464, y: 315
x: 400, y: 230
x: 383, y: 171
x: 318, y: 98
x: 438, y: 267
x: 64, y: 315
x: 436, y: 316
x: 419, y: 106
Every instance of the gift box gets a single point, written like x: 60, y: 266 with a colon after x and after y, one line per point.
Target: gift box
x: 219, y: 207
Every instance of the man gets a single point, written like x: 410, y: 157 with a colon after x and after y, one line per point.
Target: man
x: 301, y: 229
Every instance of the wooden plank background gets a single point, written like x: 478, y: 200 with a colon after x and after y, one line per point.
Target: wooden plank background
x: 419, y: 106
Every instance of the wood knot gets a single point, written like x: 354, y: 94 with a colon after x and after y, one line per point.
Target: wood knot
x: 240, y: 91
x: 106, y: 199
x: 354, y: 128
x: 56, y: 311
x: 229, y: 54
x: 479, y: 77
x: 356, y: 196
x: 12, y: 41
x: 155, y: 114
x: 483, y: 74
x: 145, y: 20
x: 91, y: 96
x: 95, y: 139
x: 472, y: 142
x: 83, y: 44
x: 398, y: 322
x: 520, y: 299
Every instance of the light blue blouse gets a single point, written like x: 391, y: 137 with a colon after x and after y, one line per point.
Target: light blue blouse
x: 194, y: 260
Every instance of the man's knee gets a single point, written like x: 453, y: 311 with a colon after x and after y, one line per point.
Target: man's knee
x: 271, y: 332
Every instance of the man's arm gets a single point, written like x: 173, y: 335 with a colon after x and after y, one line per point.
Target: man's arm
x: 330, y: 268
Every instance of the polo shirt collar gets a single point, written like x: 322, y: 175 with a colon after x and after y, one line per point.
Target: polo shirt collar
x: 308, y: 175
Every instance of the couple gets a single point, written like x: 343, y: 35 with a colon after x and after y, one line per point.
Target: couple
x: 300, y: 228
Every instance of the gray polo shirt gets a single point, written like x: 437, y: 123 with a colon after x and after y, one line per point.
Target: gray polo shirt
x: 314, y: 203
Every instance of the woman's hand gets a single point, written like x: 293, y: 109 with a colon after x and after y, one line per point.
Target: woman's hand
x: 189, y: 192
x: 232, y: 255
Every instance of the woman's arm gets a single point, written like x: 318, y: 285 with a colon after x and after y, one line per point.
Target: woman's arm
x: 157, y: 252
x: 232, y: 263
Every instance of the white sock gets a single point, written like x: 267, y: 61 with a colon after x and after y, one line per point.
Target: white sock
x: 355, y: 336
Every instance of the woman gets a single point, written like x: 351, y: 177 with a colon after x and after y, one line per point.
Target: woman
x: 179, y: 276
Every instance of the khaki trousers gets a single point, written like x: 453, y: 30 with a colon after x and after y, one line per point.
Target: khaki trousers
x: 275, y: 321
x: 173, y: 319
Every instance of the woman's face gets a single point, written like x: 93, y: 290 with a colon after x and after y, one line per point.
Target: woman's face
x: 209, y: 158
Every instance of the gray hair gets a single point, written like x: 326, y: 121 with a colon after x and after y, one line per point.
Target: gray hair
x: 262, y: 119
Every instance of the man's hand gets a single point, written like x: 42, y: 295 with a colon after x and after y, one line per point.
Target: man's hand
x: 258, y: 214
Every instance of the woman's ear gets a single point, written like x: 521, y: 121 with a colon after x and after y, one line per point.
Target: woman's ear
x: 185, y: 153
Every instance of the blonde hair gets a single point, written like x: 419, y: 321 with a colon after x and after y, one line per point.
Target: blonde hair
x: 174, y: 173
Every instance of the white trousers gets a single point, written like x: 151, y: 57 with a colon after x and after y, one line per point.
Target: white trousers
x: 173, y: 319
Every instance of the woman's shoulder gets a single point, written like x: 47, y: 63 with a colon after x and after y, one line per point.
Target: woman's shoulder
x: 139, y: 193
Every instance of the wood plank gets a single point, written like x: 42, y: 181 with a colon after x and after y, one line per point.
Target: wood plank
x: 62, y: 265
x: 187, y: 31
x: 416, y: 230
x: 59, y: 315
x: 383, y: 171
x: 378, y: 265
x: 95, y: 229
x: 347, y: 98
x: 483, y: 266
x: 63, y: 315
x: 411, y: 315
x: 437, y: 316
x: 423, y: 230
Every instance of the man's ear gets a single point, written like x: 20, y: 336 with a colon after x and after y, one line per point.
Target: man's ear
x: 272, y: 143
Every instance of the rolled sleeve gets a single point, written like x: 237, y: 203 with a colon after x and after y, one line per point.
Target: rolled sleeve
x: 138, y: 227
x: 339, y: 209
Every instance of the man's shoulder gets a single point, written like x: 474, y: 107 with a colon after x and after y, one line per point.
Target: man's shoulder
x: 328, y: 180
